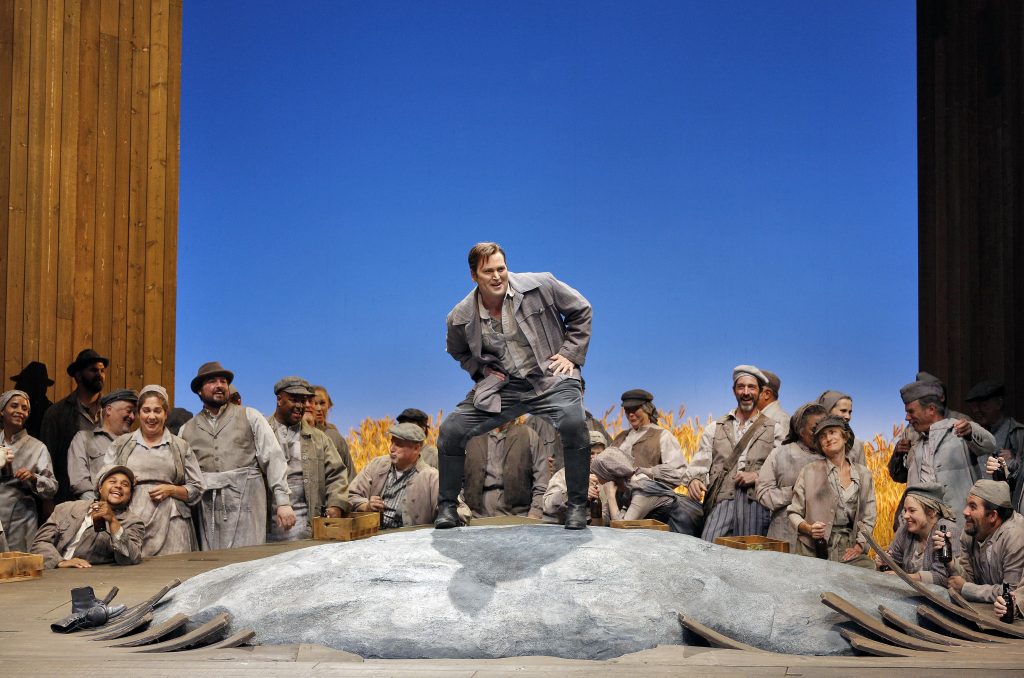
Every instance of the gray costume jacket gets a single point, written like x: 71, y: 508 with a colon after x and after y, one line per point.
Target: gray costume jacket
x: 98, y: 548
x: 554, y: 317
x: 953, y: 462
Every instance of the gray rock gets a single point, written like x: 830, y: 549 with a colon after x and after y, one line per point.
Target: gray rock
x: 486, y: 592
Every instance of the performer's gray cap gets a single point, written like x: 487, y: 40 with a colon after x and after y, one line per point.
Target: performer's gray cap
x: 984, y: 390
x: 995, y: 492
x: 597, y: 439
x: 125, y: 394
x: 932, y: 494
x: 636, y: 397
x: 408, y: 431
x: 740, y: 370
x: 111, y: 470
x: 294, y: 385
x: 774, y: 383
x: 916, y: 390
x: 828, y: 422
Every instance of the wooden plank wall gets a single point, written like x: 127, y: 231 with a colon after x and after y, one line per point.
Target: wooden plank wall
x: 89, y: 111
x: 971, y: 193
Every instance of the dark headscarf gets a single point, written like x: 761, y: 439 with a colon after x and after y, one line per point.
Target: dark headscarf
x: 799, y: 418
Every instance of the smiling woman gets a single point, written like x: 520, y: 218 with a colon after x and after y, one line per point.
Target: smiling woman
x: 25, y: 472
x: 168, y: 476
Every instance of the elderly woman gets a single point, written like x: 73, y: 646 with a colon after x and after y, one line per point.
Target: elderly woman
x: 167, y: 475
x: 645, y: 493
x: 833, y: 499
x: 775, y: 480
x: 25, y: 472
x: 912, y: 547
x: 840, y: 405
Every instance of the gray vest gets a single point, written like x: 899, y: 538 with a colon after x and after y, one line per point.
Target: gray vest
x: 225, y: 447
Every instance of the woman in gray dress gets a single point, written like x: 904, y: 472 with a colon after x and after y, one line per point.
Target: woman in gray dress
x: 775, y: 480
x: 833, y: 499
x: 167, y: 474
x: 924, y: 514
x: 25, y: 472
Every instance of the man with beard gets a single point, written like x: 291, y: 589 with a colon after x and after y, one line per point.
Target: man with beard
x: 945, y: 450
x: 317, y: 477
x: 992, y: 541
x: 237, y: 452
x: 79, y: 411
x: 731, y: 452
x: 85, y: 455
x: 91, y: 532
x: 522, y: 337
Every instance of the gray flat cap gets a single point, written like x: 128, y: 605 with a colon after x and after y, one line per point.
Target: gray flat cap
x: 740, y: 370
x: 984, y: 390
x: 993, y: 491
x: 916, y: 390
x: 408, y: 431
x: 294, y: 385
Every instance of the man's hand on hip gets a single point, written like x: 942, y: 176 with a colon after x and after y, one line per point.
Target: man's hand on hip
x: 559, y: 364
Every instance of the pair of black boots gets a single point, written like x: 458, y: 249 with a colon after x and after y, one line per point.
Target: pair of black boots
x: 88, y: 611
x: 577, y: 477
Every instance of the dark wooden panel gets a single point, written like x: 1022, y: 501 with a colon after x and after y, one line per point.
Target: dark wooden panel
x: 971, y: 149
x: 6, y: 68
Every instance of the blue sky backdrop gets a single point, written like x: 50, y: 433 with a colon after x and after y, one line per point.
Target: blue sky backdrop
x: 726, y: 182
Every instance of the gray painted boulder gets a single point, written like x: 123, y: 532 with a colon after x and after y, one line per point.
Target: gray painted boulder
x: 486, y: 592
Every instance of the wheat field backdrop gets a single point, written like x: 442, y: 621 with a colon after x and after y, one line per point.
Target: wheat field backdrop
x: 371, y: 440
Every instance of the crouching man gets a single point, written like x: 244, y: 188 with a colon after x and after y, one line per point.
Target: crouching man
x: 401, y: 486
x: 87, y: 532
x: 992, y: 544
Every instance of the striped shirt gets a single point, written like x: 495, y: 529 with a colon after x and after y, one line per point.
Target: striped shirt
x: 393, y: 496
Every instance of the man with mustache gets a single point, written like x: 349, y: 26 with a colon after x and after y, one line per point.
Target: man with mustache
x: 238, y: 452
x: 727, y: 461
x: 88, y: 448
x: 79, y: 411
x: 70, y: 537
x: 992, y: 544
x: 317, y: 477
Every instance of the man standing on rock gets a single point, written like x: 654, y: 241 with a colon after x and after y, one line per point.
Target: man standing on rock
x: 522, y: 337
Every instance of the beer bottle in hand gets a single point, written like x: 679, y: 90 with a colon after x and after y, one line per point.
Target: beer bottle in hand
x: 595, y: 512
x: 946, y: 552
x: 1001, y: 472
x: 821, y: 549
x: 1007, y: 618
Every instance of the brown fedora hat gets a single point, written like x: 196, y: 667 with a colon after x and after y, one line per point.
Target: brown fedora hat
x: 86, y: 358
x: 207, y: 370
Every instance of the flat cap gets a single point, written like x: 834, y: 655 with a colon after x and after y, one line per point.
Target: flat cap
x: 413, y: 415
x: 916, y: 390
x: 740, y: 370
x: 828, y: 422
x: 995, y: 492
x: 294, y: 385
x: 597, y: 439
x: 984, y: 390
x: 931, y: 494
x: 408, y: 431
x: 157, y: 389
x: 125, y: 394
x: 774, y: 383
x: 111, y: 470
x: 636, y: 397
x: 927, y: 376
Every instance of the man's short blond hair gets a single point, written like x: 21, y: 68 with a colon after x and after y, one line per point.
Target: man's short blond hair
x: 481, y: 252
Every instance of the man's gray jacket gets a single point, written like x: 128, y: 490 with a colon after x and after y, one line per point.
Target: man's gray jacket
x: 554, y: 317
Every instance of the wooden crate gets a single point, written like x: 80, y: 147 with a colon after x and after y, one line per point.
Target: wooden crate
x: 18, y: 566
x: 754, y: 542
x: 645, y: 524
x: 357, y: 525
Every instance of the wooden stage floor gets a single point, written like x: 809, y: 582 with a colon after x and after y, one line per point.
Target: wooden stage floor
x: 29, y: 648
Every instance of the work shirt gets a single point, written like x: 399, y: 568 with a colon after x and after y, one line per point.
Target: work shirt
x: 505, y: 339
